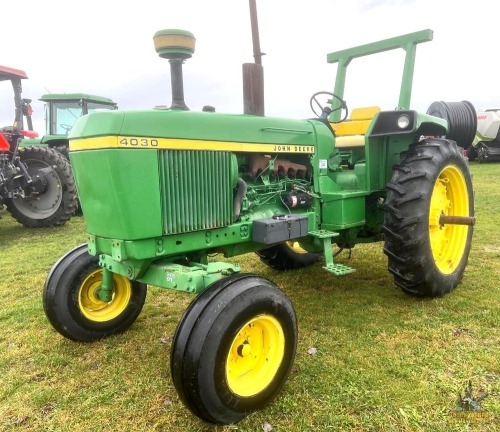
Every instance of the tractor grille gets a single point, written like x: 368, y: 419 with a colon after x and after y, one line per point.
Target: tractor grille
x: 196, y: 190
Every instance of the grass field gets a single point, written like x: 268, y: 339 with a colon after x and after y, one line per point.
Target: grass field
x: 383, y: 361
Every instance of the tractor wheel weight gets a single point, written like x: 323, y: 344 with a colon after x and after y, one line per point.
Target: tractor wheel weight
x: 457, y: 220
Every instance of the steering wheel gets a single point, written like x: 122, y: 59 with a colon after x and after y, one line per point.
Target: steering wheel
x: 66, y: 127
x: 325, y: 108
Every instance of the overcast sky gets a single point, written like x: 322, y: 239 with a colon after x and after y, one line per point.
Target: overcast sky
x: 106, y: 48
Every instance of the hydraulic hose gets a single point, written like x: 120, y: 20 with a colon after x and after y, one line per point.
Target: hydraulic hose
x: 462, y: 120
x: 238, y: 199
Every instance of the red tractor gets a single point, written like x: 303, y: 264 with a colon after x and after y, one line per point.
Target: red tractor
x: 36, y: 183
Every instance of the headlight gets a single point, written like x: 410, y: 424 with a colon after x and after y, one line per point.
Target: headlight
x: 403, y: 121
x: 395, y: 122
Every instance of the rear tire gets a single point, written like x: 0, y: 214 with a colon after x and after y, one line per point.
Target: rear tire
x: 71, y: 304
x: 57, y: 203
x: 233, y: 348
x: 426, y: 258
x: 287, y: 256
x: 63, y: 149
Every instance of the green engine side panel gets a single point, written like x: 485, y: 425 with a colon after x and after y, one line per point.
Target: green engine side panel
x: 121, y: 192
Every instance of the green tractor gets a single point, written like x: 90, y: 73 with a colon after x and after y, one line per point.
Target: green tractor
x: 62, y: 110
x: 163, y: 191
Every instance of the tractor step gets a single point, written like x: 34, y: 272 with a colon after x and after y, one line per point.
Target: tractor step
x: 326, y: 237
x: 339, y: 269
x: 321, y: 234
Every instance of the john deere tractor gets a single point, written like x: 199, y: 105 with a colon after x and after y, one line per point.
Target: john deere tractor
x: 62, y: 110
x: 36, y: 183
x: 163, y: 191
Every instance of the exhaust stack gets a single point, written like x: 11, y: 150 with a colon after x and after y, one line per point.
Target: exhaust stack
x: 176, y: 46
x: 253, y: 73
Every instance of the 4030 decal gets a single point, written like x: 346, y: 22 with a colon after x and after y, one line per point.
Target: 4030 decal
x: 139, y: 142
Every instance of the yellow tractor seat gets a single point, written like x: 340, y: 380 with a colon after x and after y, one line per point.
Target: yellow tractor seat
x: 351, y: 133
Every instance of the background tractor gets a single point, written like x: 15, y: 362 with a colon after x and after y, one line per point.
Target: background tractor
x: 36, y: 184
x: 62, y: 110
x: 164, y: 192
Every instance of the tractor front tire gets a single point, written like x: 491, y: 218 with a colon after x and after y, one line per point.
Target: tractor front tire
x: 427, y: 257
x: 56, y: 204
x: 71, y: 303
x: 233, y: 348
x: 287, y: 256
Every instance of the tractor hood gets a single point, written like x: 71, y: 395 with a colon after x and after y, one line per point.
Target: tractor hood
x: 194, y: 130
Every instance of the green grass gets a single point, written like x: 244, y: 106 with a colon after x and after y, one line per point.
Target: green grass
x: 384, y: 361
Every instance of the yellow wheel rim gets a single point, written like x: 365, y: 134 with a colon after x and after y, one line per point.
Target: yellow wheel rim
x: 255, y: 356
x: 295, y: 247
x: 449, y: 197
x: 93, y: 308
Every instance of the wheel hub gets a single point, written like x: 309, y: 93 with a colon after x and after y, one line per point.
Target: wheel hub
x: 449, y: 198
x: 255, y: 356
x: 244, y: 349
x: 45, y: 195
x: 93, y: 308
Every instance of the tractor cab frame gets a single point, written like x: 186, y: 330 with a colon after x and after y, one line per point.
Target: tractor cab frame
x: 22, y: 105
x: 62, y: 110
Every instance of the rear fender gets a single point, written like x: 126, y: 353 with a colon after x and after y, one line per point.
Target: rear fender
x: 407, y: 122
x: 390, y: 134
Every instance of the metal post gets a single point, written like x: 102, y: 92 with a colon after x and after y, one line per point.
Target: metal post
x: 18, y: 103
